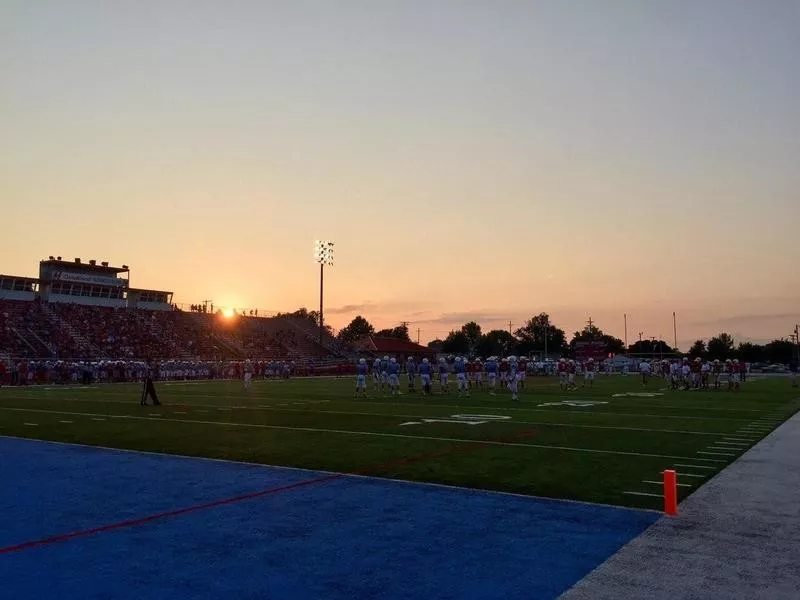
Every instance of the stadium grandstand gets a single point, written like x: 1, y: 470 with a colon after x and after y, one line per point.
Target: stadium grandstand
x: 84, y: 310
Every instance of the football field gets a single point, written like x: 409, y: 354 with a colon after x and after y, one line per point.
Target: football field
x: 608, y: 444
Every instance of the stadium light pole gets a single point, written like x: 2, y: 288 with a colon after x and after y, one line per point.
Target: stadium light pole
x: 323, y: 254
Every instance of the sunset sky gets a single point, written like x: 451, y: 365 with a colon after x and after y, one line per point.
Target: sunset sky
x: 482, y: 160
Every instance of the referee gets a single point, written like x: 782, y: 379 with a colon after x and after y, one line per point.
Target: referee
x: 148, y: 389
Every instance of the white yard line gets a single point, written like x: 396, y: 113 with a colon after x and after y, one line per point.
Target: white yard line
x: 369, y: 433
x: 644, y: 494
x: 414, y: 416
x: 692, y: 466
x: 662, y: 483
x: 682, y: 474
x: 717, y: 453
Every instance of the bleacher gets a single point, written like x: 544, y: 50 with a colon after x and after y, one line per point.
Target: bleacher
x: 32, y: 329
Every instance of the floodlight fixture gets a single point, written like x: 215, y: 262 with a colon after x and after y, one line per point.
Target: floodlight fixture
x: 323, y: 252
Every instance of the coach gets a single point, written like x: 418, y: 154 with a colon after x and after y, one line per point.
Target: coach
x: 148, y: 389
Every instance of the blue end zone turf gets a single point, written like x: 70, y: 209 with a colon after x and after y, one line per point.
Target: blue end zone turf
x: 346, y: 537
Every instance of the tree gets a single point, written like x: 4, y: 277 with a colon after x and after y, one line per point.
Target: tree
x: 749, y: 352
x: 497, y: 342
x: 650, y: 347
x: 779, y: 351
x: 436, y: 345
x: 400, y: 332
x: 592, y: 333
x: 472, y: 331
x: 698, y: 349
x: 456, y: 342
x: 307, y: 315
x: 721, y: 346
x: 358, y: 328
x: 539, y: 334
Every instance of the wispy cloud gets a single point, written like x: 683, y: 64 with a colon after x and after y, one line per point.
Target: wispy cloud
x: 350, y: 308
x: 750, y: 319
x: 369, y: 308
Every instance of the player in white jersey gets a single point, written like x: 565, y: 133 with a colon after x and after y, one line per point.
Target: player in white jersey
x: 361, y: 378
x: 248, y: 374
x: 644, y: 369
x: 513, y: 377
x: 461, y: 376
x: 686, y: 374
x: 588, y: 373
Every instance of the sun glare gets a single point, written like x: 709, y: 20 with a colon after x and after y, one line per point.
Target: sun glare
x: 227, y: 313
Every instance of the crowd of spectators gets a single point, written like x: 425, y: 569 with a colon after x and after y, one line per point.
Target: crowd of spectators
x: 29, y: 329
x: 22, y: 372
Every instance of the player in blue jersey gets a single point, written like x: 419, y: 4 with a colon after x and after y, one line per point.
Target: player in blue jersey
x: 444, y: 374
x: 411, y: 371
x: 361, y: 378
x: 513, y: 381
x: 376, y: 373
x: 393, y: 371
x: 425, y: 376
x: 461, y: 376
x: 491, y: 373
x: 384, y: 373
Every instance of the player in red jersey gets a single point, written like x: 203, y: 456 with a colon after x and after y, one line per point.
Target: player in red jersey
x: 477, y: 373
x: 522, y: 371
x: 695, y: 369
x: 741, y: 373
x: 504, y: 370
x: 563, y: 379
x: 730, y: 372
x: 571, y: 369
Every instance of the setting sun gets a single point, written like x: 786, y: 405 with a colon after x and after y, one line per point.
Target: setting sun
x: 227, y: 313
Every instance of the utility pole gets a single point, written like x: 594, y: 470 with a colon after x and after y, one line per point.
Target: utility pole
x: 640, y: 336
x: 625, y: 316
x: 546, y: 334
x: 509, y: 326
x: 418, y: 335
x: 675, y: 331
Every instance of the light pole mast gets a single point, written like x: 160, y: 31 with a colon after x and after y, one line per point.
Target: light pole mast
x: 323, y: 254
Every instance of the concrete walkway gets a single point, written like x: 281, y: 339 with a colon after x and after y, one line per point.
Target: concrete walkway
x: 736, y: 537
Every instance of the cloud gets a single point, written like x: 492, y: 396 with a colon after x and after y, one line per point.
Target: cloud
x: 749, y: 319
x: 475, y: 315
x: 368, y: 307
x: 350, y: 308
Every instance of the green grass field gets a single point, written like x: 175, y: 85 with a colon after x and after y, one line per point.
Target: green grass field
x: 590, y: 444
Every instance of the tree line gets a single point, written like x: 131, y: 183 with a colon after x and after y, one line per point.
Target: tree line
x: 539, y: 336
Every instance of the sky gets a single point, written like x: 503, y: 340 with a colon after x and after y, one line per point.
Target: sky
x: 471, y: 160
